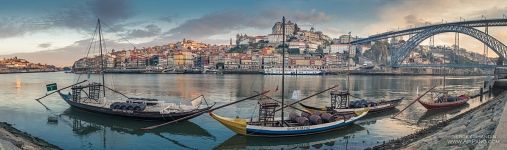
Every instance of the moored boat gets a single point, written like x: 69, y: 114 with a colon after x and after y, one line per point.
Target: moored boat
x: 293, y: 128
x: 445, y: 101
x: 91, y: 96
x: 293, y: 71
x: 374, y: 106
x: 296, y: 124
x: 138, y: 108
x: 340, y: 104
x: 441, y: 99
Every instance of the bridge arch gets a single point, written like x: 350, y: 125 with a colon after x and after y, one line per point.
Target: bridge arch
x: 498, y: 47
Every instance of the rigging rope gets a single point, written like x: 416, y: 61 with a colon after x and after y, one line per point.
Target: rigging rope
x: 122, y: 37
x: 89, y: 48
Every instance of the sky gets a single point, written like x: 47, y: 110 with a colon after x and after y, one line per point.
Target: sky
x: 58, y: 31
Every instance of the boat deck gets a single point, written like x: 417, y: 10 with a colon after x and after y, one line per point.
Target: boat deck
x: 158, y: 107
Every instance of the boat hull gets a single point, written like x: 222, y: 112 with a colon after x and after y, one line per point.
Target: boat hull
x: 133, y: 114
x: 240, y: 126
x: 391, y: 104
x: 443, y: 105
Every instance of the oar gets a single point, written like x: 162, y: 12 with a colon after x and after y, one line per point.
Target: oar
x: 47, y: 108
x: 59, y: 90
x: 417, y: 99
x: 355, y: 96
x: 199, y: 113
x: 306, y: 98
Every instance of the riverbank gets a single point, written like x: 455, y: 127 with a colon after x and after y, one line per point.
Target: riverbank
x: 260, y: 72
x: 14, y: 139
x: 473, y: 129
x: 38, y: 71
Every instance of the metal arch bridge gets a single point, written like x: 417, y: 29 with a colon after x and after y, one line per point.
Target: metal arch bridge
x: 470, y: 23
x: 498, y: 47
x: 424, y: 32
x: 450, y: 66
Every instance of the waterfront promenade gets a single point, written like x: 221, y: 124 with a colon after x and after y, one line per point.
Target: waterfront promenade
x: 470, y: 130
x: 500, y: 136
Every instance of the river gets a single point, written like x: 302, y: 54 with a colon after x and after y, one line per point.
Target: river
x: 77, y: 129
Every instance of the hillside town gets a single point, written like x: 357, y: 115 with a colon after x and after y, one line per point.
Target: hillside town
x: 306, y: 50
x: 18, y: 65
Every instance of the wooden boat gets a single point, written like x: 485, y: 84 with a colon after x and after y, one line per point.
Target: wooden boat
x: 445, y: 101
x: 328, y: 140
x: 143, y: 109
x: 373, y: 106
x: 244, y: 127
x: 296, y: 125
x: 91, y: 96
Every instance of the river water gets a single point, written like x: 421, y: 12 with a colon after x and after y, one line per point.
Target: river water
x: 77, y: 129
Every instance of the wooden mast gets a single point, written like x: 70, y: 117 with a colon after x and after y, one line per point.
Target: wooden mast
x: 102, y: 59
x: 283, y: 66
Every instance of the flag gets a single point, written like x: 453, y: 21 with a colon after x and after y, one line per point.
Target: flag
x: 51, y: 87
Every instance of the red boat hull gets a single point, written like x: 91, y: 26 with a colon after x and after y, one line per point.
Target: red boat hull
x: 432, y: 105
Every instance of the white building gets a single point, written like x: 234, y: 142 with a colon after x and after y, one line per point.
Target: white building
x: 338, y: 48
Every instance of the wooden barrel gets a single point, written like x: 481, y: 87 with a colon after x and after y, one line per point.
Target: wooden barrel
x: 305, y: 114
x: 326, y: 117
x: 302, y: 121
x: 293, y: 116
x: 314, y: 119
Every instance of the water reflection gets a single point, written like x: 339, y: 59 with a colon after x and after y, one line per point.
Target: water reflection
x: 78, y: 129
x: 338, y: 139
x: 435, y: 116
x: 84, y: 123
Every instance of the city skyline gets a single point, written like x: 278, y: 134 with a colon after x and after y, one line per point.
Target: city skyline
x: 49, y: 32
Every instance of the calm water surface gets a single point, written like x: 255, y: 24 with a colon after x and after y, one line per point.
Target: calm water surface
x: 77, y: 129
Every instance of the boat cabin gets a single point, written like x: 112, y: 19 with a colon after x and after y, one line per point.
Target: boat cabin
x: 267, y: 109
x: 94, y: 90
x: 339, y: 99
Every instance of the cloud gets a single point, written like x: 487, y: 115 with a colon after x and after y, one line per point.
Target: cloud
x: 44, y: 45
x: 222, y: 22
x: 150, y: 30
x: 208, y: 25
x: 413, y: 20
x: 81, y: 17
x: 16, y: 26
x: 313, y: 16
x: 84, y: 16
x: 168, y: 19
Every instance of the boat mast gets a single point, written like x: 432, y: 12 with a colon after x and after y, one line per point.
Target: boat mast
x: 348, y: 63
x: 445, y: 72
x: 283, y: 65
x: 102, y: 59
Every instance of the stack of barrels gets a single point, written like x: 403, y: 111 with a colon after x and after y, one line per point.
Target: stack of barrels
x: 128, y: 106
x: 311, y: 119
